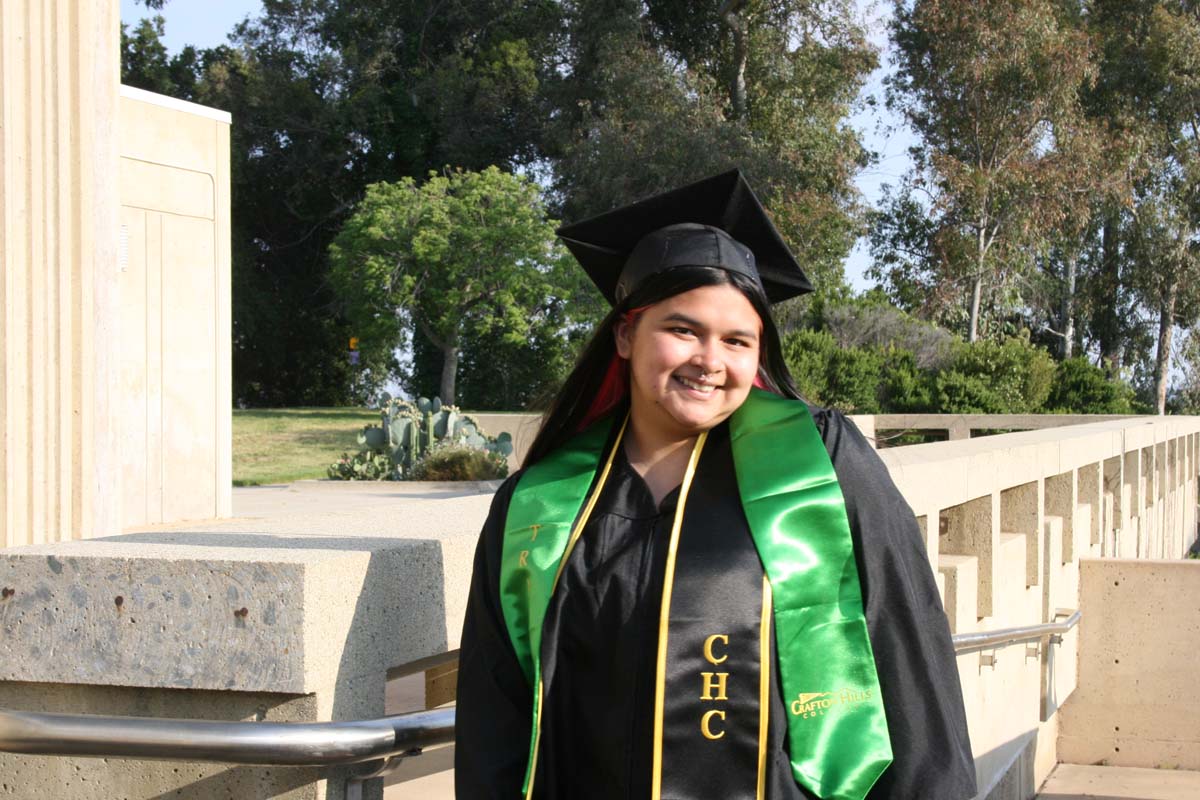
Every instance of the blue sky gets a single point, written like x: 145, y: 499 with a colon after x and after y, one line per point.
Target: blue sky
x: 206, y: 23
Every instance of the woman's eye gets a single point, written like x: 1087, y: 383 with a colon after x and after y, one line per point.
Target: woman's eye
x: 681, y: 331
x: 738, y: 342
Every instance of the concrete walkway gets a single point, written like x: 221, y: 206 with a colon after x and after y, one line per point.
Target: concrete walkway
x: 1075, y: 782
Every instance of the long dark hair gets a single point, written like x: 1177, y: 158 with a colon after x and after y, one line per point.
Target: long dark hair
x: 570, y: 407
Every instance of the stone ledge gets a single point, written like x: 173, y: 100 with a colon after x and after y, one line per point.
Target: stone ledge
x: 227, y: 611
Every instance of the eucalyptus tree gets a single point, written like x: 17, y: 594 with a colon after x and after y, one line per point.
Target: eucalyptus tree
x: 992, y: 90
x: 1150, y: 86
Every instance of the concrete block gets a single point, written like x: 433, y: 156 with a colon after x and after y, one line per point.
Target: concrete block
x: 1011, y: 594
x: 441, y: 685
x: 1136, y: 704
x: 1021, y: 512
x: 221, y: 611
x: 973, y: 529
x: 313, y: 622
x: 960, y: 577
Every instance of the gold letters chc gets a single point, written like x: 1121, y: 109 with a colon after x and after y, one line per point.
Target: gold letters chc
x: 713, y: 685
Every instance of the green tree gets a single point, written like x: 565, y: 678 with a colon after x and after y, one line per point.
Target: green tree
x: 992, y: 89
x: 463, y: 253
x: 652, y: 95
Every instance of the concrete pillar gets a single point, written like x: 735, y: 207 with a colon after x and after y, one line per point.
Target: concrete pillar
x: 1021, y: 512
x: 1060, y: 502
x: 1131, y: 504
x: 1114, y: 492
x: 973, y: 529
x: 59, y: 77
x: 1089, y: 485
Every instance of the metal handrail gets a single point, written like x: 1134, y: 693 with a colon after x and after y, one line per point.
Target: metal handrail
x: 1003, y: 637
x: 312, y: 743
x: 262, y: 743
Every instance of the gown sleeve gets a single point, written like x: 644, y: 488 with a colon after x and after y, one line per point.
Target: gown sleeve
x: 494, y: 708
x: 909, y: 632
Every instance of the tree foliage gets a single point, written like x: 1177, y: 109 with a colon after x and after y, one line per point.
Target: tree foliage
x: 650, y: 96
x: 603, y: 100
x: 1006, y: 158
x: 463, y: 253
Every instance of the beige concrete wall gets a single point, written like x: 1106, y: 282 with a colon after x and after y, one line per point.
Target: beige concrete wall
x: 174, y: 281
x: 1007, y: 520
x: 1137, y: 703
x: 59, y: 73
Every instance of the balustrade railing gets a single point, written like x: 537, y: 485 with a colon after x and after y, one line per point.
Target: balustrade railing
x: 379, y: 744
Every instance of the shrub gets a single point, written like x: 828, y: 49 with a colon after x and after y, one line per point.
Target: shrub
x: 807, y: 354
x: 856, y: 380
x: 459, y: 462
x: 853, y: 379
x: 1080, y: 387
x: 872, y: 323
x: 365, y: 465
x: 1009, y: 377
x: 905, y: 388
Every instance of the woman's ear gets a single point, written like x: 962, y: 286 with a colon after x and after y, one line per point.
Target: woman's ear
x: 623, y: 337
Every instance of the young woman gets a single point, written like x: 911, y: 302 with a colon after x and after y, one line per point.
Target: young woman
x: 698, y: 586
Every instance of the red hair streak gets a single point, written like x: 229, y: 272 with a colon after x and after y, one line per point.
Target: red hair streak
x: 612, y: 391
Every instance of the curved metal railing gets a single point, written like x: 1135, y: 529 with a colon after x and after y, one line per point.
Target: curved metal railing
x: 1003, y: 637
x: 293, y: 744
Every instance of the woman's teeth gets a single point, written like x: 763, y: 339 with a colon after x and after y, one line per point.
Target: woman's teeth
x: 699, y: 387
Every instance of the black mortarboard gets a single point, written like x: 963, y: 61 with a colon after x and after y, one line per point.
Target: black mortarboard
x: 716, y: 222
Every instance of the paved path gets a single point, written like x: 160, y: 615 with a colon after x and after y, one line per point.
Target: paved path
x: 1074, y: 782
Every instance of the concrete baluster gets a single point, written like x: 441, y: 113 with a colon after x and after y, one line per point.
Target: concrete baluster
x: 1021, y: 513
x: 973, y: 529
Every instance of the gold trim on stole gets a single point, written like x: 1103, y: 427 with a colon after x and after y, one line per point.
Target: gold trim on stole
x: 664, y: 618
x: 764, y: 686
x: 575, y: 534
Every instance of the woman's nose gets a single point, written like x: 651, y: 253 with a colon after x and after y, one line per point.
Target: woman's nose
x: 706, y: 358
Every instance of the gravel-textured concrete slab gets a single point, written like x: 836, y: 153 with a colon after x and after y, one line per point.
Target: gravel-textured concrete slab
x: 1075, y: 782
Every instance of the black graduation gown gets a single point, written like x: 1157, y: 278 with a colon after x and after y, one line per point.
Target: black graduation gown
x: 600, y: 644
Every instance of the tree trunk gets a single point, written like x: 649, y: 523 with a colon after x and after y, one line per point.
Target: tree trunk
x: 737, y: 89
x: 1166, y: 326
x: 1068, y: 308
x: 1107, y: 320
x: 449, y: 371
x: 976, y: 298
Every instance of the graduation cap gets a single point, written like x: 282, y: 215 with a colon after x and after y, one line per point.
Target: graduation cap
x: 716, y: 222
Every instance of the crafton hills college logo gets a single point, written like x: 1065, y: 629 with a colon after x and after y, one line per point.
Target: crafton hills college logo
x: 809, y: 705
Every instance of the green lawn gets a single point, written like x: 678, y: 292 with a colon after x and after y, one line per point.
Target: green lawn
x: 290, y: 444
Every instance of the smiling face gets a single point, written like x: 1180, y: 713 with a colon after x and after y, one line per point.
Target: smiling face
x: 693, y: 358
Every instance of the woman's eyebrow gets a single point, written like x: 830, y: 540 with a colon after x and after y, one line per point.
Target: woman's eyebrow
x: 695, y: 323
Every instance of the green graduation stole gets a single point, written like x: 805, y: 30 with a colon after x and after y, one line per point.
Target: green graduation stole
x: 837, y: 730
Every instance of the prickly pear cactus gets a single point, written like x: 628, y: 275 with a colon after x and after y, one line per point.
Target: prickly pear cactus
x: 406, y: 433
